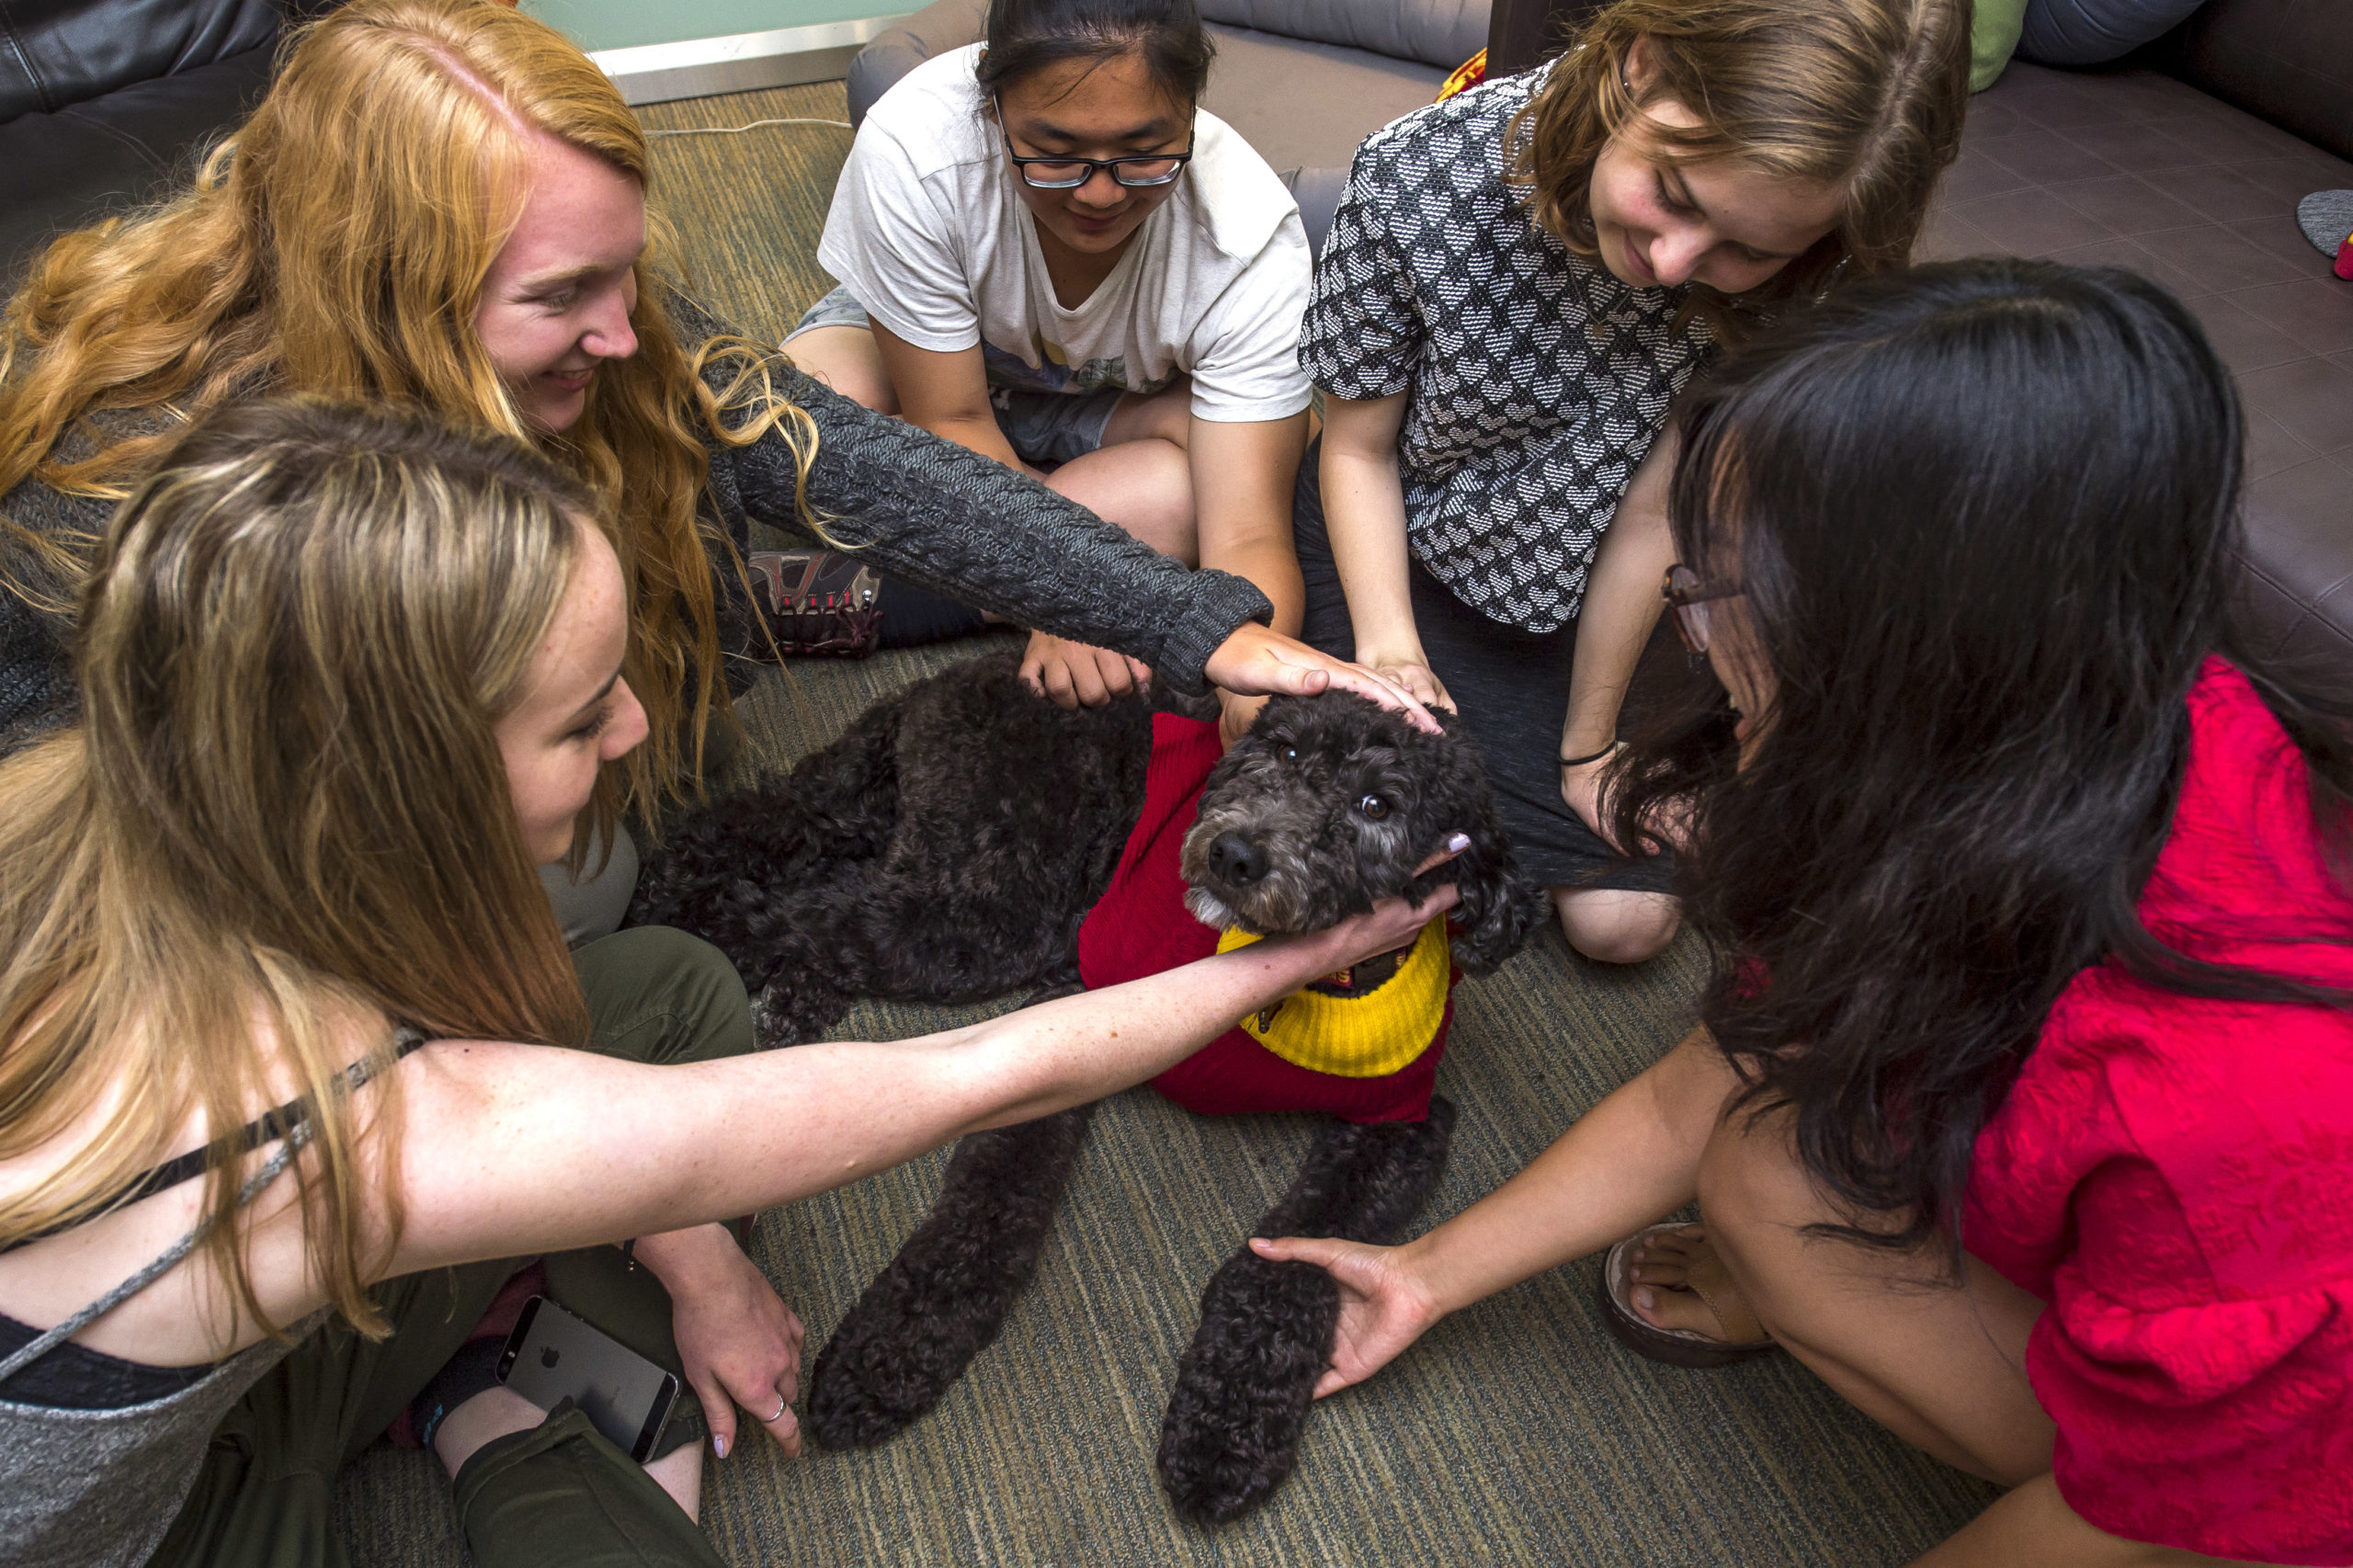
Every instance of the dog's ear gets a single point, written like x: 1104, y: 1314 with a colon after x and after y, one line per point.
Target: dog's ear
x: 1499, y: 907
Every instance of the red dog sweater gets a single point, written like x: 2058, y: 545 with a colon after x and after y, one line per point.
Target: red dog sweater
x: 1376, y: 1032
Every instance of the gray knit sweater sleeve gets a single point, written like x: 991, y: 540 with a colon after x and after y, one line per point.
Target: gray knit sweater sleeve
x: 35, y: 673
x: 960, y: 524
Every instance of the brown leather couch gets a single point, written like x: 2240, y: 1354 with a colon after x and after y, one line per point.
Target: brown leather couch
x: 107, y: 103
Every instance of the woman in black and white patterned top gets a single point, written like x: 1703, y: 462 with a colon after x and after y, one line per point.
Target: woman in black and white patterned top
x: 1519, y: 283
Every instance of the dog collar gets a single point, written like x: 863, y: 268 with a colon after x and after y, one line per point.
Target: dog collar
x: 1359, y: 1023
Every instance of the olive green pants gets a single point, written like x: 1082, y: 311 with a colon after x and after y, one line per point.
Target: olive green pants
x: 559, y: 1494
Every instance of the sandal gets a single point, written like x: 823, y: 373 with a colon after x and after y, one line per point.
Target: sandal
x: 818, y: 601
x: 1743, y: 1338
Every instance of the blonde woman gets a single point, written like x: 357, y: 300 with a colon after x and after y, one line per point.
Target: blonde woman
x: 1520, y: 282
x: 442, y: 204
x: 212, y: 905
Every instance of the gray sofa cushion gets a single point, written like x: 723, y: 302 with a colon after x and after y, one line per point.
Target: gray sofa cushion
x: 1443, y: 33
x: 939, y: 27
x: 1304, y: 105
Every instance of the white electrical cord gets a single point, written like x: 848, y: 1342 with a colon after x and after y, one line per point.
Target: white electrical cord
x: 739, y: 130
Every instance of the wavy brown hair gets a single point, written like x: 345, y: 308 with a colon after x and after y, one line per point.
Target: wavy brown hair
x: 204, y: 897
x: 1864, y: 96
x: 337, y: 244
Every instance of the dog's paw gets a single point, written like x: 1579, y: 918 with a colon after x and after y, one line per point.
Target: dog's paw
x: 897, y: 1352
x: 1240, y: 1403
x: 943, y: 1299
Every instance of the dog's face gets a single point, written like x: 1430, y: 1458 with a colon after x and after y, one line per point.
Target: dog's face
x: 1328, y: 803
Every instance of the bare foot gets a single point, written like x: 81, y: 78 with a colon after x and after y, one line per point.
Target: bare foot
x: 1680, y: 1283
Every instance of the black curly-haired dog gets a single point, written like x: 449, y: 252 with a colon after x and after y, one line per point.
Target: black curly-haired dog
x: 947, y: 848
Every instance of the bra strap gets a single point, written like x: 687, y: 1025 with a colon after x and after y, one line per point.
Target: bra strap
x: 294, y: 1140
x: 270, y: 1171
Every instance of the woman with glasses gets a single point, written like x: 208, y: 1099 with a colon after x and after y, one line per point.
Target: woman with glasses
x: 1049, y: 254
x: 2017, y: 1107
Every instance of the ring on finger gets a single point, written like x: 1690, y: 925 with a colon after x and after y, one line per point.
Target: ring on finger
x: 781, y: 1403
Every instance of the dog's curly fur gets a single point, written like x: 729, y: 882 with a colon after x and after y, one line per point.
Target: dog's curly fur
x: 893, y: 1354
x: 945, y: 848
x: 1239, y: 1407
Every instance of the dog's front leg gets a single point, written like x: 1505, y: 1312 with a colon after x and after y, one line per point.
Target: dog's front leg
x: 940, y: 1302
x: 1240, y: 1403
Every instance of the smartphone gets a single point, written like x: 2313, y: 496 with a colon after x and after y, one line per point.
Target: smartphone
x: 554, y: 1355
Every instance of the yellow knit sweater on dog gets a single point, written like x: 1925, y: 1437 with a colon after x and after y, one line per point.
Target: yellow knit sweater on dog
x: 1349, y: 1030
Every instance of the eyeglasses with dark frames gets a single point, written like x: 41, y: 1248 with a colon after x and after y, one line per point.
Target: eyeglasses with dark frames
x: 1688, y: 594
x: 1069, y: 174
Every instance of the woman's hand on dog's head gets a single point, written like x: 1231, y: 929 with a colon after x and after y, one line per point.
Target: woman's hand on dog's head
x: 1259, y: 662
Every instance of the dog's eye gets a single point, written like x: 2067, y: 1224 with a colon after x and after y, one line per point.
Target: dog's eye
x: 1373, y: 807
x: 1290, y: 754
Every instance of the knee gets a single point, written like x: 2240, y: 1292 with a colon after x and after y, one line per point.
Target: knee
x: 1145, y: 486
x: 1611, y: 926
x: 1754, y: 1200
x: 656, y: 993
x: 845, y: 358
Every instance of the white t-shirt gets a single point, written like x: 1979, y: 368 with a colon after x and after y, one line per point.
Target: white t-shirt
x: 927, y: 231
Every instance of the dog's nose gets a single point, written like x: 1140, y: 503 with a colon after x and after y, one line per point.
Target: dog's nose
x: 1236, y: 860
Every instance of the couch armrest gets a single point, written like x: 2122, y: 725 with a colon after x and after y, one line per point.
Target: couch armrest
x: 2287, y: 61
x: 937, y: 28
x: 57, y: 53
x: 1521, y: 33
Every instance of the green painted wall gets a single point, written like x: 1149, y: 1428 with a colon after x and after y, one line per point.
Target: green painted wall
x: 624, y: 24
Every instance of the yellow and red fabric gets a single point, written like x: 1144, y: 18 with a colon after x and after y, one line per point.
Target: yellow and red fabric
x: 1468, y: 74
x: 1361, y: 1054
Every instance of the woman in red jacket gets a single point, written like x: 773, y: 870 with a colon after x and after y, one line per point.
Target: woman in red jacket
x: 2021, y: 1110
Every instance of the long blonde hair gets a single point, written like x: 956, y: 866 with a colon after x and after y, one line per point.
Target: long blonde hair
x: 1864, y: 96
x: 338, y: 244
x: 283, y: 810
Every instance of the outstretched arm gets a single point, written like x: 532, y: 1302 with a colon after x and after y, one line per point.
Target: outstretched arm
x: 953, y: 520
x: 958, y: 522
x: 1629, y: 1161
x: 509, y: 1149
x: 1364, y: 512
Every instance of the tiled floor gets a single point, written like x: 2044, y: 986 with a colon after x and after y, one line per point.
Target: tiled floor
x: 2136, y: 169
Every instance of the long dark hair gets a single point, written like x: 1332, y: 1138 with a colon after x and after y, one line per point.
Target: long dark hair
x: 1026, y: 36
x: 1985, y: 520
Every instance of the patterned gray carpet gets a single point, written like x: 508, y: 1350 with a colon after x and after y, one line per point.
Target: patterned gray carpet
x: 1519, y: 1432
